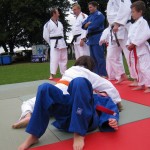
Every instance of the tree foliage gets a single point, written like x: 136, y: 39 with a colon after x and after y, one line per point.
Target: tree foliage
x: 21, y: 21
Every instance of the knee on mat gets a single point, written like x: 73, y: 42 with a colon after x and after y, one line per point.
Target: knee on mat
x: 44, y: 86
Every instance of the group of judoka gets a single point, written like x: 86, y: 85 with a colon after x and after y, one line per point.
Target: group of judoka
x: 83, y: 99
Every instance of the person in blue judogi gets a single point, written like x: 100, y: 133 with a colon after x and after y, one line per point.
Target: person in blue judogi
x: 94, y: 25
x: 74, y: 106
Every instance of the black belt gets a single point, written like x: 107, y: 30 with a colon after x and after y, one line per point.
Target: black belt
x: 56, y: 38
x: 75, y: 38
x: 94, y: 33
x: 115, y: 34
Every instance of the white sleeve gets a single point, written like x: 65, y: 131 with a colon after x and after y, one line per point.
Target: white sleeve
x: 124, y: 12
x: 84, y: 32
x: 142, y: 33
x: 105, y: 34
x: 46, y: 32
x: 102, y: 84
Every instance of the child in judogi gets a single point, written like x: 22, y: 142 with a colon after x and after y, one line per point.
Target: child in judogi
x: 72, y: 102
x: 138, y: 46
x: 114, y: 66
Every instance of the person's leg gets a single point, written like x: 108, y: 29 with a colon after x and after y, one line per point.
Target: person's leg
x: 27, y: 109
x: 129, y: 59
x: 54, y: 61
x: 144, y: 71
x: 107, y: 122
x: 76, y: 50
x: 47, y: 96
x: 83, y: 112
x: 63, y: 60
x: 114, y: 57
x: 99, y: 57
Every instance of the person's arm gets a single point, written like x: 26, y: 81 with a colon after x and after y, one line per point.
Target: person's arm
x: 97, y: 22
x: 103, y: 85
x: 142, y: 33
x: 84, y: 24
x: 124, y: 12
x: 104, y: 37
x: 46, y: 33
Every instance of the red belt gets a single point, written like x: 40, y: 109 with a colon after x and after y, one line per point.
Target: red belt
x: 135, y: 59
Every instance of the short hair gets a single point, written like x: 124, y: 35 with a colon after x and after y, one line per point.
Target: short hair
x: 76, y: 5
x: 139, y: 6
x: 94, y: 3
x: 85, y: 61
x: 53, y: 11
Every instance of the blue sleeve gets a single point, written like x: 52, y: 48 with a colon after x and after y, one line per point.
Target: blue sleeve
x: 85, y: 21
x: 98, y: 21
x: 103, y: 118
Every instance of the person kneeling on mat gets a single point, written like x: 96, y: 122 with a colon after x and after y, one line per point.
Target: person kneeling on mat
x: 74, y: 106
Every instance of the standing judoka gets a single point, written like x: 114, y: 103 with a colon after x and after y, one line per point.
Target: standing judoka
x: 118, y: 15
x: 72, y: 103
x: 79, y: 35
x: 54, y: 36
x: 114, y: 71
x: 138, y: 46
x: 94, y: 25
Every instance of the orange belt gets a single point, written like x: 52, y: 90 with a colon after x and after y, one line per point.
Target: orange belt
x: 65, y: 82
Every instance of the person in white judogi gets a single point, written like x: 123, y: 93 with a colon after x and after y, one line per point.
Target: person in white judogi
x: 113, y: 70
x: 54, y: 36
x: 98, y: 83
x: 138, y: 46
x: 118, y: 15
x: 79, y: 35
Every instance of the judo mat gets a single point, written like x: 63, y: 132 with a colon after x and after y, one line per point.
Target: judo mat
x: 132, y: 136
x: 127, y: 93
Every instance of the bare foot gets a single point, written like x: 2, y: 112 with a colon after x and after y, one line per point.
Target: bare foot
x: 120, y: 107
x: 122, y: 78
x: 147, y: 90
x: 23, y: 122
x: 138, y: 88
x: 51, y: 77
x: 134, y: 83
x: 78, y: 143
x: 28, y: 142
x: 113, y: 123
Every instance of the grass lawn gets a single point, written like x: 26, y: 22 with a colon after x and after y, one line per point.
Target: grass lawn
x: 23, y: 72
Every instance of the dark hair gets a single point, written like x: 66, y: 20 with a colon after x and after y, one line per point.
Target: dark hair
x: 85, y: 61
x: 139, y: 6
x: 93, y: 3
x: 53, y: 11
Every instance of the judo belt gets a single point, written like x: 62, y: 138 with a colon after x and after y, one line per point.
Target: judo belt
x: 98, y: 107
x: 115, y: 34
x: 75, y: 38
x: 94, y: 33
x: 135, y: 59
x: 56, y: 38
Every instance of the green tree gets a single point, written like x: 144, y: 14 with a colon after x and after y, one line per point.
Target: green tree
x: 22, y: 21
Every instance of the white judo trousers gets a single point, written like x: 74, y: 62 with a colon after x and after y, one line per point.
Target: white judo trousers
x: 98, y: 83
x: 119, y: 12
x: 139, y: 33
x: 114, y: 65
x: 58, y: 54
x: 76, y: 30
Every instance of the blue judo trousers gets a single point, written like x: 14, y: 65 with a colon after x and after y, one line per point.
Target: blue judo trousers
x: 74, y: 112
x: 96, y: 51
